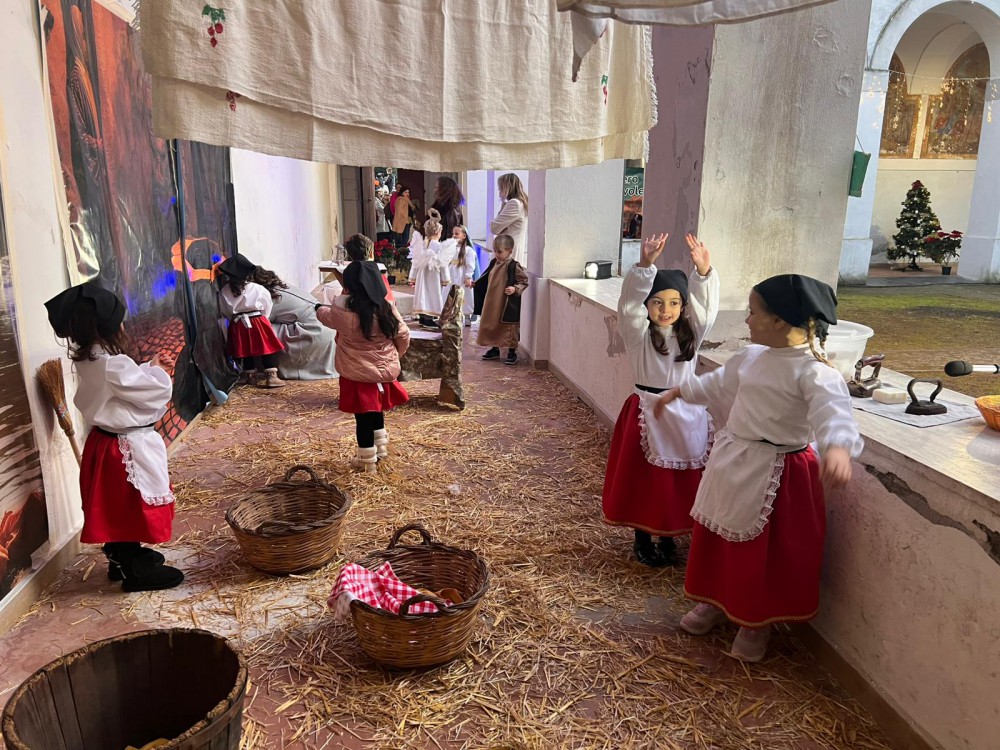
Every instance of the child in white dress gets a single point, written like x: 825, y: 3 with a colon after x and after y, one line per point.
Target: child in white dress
x: 428, y: 275
x: 460, y: 256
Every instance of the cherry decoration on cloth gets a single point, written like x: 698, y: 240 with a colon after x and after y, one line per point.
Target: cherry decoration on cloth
x: 216, y: 25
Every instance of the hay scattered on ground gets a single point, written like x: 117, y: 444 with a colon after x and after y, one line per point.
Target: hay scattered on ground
x: 578, y: 646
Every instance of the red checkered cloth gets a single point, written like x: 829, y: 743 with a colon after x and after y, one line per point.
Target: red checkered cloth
x: 379, y: 588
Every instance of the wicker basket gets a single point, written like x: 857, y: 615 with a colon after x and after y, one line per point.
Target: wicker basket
x: 405, y: 641
x: 290, y: 526
x: 989, y: 407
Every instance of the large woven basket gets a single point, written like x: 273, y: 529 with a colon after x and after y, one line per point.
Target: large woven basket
x: 989, y: 407
x: 292, y: 525
x: 406, y: 641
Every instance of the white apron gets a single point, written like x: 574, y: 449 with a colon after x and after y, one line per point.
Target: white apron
x: 145, y: 456
x: 681, y: 439
x: 737, y: 491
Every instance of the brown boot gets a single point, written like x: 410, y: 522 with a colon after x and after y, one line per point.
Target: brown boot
x: 272, y: 381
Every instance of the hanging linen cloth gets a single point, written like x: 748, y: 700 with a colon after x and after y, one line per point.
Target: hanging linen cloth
x: 299, y: 78
x: 591, y: 18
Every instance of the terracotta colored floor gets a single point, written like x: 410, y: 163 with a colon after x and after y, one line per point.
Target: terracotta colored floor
x: 568, y: 606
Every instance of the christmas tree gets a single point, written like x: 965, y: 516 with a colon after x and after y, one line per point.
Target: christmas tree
x: 916, y: 222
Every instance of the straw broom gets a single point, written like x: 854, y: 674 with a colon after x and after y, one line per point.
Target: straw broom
x: 50, y: 376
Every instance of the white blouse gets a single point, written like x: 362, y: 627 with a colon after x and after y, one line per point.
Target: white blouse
x: 122, y: 397
x: 681, y: 439
x: 255, y: 298
x: 649, y: 367
x: 117, y: 394
x: 782, y: 396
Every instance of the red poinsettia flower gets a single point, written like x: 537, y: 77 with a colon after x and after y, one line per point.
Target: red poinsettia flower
x: 931, y: 238
x: 956, y: 233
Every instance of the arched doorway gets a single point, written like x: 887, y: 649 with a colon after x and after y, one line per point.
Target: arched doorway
x: 927, y: 113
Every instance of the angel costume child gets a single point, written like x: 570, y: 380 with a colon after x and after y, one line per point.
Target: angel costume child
x: 655, y: 466
x: 251, y: 339
x: 760, y: 518
x: 428, y: 275
x: 124, y: 482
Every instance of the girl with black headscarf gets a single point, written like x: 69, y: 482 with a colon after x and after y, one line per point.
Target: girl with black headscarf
x: 654, y: 466
x: 124, y: 481
x: 757, y: 546
x: 371, y: 337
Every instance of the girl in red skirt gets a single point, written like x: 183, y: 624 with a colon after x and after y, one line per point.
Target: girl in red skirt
x: 757, y: 546
x: 251, y: 339
x: 371, y: 337
x: 126, y: 491
x: 654, y: 467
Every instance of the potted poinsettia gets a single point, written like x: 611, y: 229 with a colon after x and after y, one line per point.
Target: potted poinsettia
x: 942, y: 247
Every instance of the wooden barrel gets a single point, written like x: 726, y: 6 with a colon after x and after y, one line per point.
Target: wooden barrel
x: 183, y: 686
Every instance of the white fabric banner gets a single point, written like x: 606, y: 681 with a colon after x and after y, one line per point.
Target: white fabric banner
x: 442, y: 85
x: 590, y: 19
x: 684, y: 12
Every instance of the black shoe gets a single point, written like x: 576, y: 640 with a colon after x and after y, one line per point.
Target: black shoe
x: 511, y: 357
x: 493, y: 353
x: 667, y: 548
x: 115, y: 570
x: 161, y: 577
x: 428, y: 322
x: 142, y: 569
x: 646, y: 552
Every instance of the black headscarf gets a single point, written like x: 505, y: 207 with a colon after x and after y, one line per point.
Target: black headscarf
x: 676, y: 280
x: 363, y: 276
x: 237, y: 267
x: 795, y: 299
x: 109, y: 310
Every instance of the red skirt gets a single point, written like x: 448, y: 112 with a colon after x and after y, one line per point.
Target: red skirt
x: 113, y: 510
x: 256, y: 341
x: 360, y: 398
x: 774, y: 577
x: 640, y: 495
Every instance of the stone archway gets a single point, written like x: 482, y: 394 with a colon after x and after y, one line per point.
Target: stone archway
x: 980, y: 257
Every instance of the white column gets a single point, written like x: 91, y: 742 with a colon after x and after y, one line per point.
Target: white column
x: 682, y: 60
x: 777, y: 155
x: 574, y: 216
x: 980, y: 255
x: 856, y: 248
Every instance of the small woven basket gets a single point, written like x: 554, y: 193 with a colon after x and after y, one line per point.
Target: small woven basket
x: 989, y: 407
x: 406, y: 641
x: 292, y: 525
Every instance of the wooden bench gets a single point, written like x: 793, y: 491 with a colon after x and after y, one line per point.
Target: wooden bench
x: 438, y: 354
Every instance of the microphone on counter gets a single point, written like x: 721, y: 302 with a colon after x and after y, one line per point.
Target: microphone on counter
x: 958, y: 368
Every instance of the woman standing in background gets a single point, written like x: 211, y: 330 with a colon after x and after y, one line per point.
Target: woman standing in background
x: 513, y: 216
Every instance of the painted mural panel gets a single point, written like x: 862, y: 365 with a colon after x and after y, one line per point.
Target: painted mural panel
x: 121, y: 196
x: 902, y: 113
x: 24, y: 525
x: 955, y: 117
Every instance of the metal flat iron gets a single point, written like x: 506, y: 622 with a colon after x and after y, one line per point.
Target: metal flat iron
x: 864, y: 387
x: 925, y: 408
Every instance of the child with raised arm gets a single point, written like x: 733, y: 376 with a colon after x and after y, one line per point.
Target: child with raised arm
x: 760, y: 517
x: 655, y: 466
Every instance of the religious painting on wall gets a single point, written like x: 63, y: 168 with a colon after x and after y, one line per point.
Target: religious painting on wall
x: 955, y: 117
x: 122, y: 200
x: 902, y: 113
x: 24, y: 524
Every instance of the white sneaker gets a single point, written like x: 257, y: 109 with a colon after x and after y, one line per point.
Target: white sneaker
x: 750, y: 644
x: 703, y: 619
